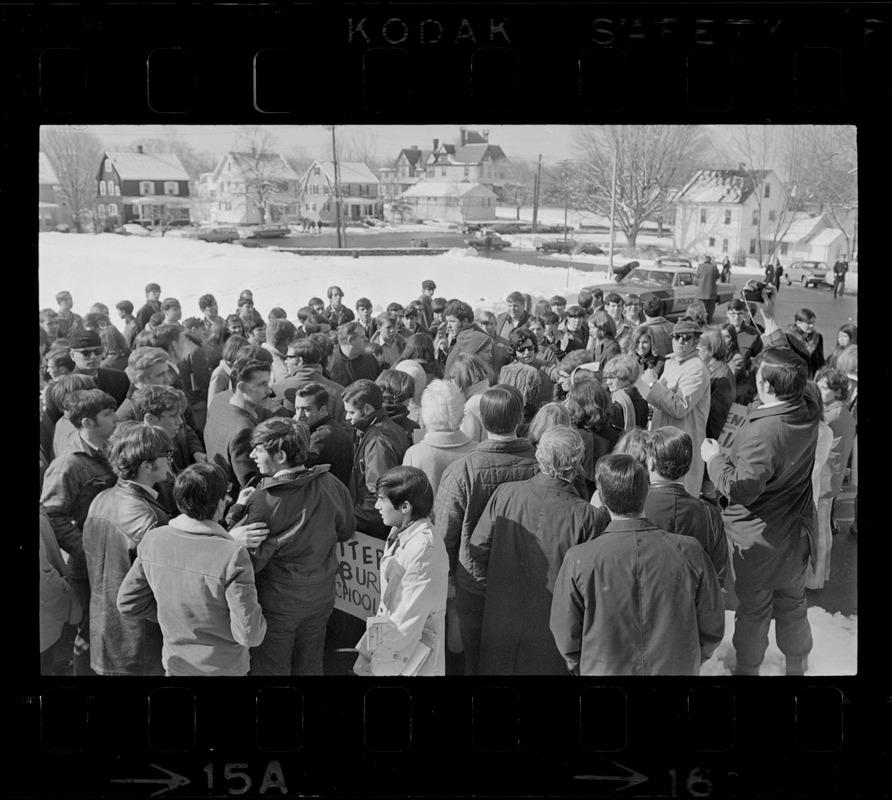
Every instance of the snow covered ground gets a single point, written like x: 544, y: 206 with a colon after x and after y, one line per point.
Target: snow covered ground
x: 110, y: 268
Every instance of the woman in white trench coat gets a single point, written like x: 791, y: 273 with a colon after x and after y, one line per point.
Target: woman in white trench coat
x: 411, y: 619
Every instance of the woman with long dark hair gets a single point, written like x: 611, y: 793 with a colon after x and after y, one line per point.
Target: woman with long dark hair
x: 846, y: 336
x: 642, y: 347
x: 420, y: 348
x: 591, y: 410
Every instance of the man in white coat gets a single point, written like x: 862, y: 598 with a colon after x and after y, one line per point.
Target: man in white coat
x: 681, y: 396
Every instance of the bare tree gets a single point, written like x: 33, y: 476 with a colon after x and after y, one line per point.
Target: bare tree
x: 265, y: 172
x: 76, y: 157
x: 360, y: 145
x: 193, y: 162
x: 651, y: 161
x: 516, y: 181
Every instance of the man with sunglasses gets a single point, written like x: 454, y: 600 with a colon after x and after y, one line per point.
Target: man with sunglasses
x: 86, y: 352
x: 681, y: 396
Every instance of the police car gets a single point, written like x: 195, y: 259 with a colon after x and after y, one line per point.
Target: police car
x: 675, y: 286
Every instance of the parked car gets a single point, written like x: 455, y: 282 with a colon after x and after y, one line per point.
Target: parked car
x: 488, y: 241
x: 676, y: 286
x: 673, y: 261
x: 227, y: 235
x: 270, y: 232
x: 568, y: 246
x: 808, y: 273
x: 132, y: 229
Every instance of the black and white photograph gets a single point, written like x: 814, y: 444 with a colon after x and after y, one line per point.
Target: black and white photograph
x: 448, y: 399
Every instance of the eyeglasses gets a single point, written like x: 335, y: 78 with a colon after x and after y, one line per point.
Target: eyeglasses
x: 684, y: 338
x: 88, y: 351
x: 528, y: 348
x: 291, y: 355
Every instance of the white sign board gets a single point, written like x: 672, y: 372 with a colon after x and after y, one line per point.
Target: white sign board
x: 357, y: 584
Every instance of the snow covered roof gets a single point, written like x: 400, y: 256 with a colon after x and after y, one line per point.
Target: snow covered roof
x: 426, y: 188
x: 45, y: 171
x: 348, y: 172
x: 801, y: 226
x: 148, y: 166
x: 414, y: 155
x: 720, y: 185
x: 826, y: 237
x: 248, y: 161
x: 475, y: 153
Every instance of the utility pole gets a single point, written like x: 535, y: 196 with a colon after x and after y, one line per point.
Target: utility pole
x: 612, y: 215
x: 536, y: 185
x: 337, y: 186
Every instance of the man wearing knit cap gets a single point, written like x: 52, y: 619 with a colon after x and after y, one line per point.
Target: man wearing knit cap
x: 681, y: 396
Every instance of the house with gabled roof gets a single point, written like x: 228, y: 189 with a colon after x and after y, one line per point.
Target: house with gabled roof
x: 360, y: 192
x: 149, y: 189
x: 734, y: 212
x: 250, y: 188
x: 452, y: 201
x: 809, y: 237
x: 52, y: 208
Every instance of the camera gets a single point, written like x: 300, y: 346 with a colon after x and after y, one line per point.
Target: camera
x: 752, y: 291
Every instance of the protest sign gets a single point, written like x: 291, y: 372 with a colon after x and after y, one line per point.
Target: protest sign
x: 357, y: 587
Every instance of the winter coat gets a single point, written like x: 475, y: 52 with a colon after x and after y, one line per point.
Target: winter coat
x: 722, y: 393
x: 345, y: 370
x: 199, y: 585
x: 767, y: 480
x: 471, y: 340
x: 637, y: 601
x: 331, y: 444
x: 119, y: 518
x: 227, y: 437
x: 308, y: 511
x: 632, y: 408
x: 517, y: 549
x: 602, y: 351
x: 707, y: 277
x: 681, y: 398
x: 672, y: 509
x: 414, y: 580
x: 471, y: 423
x: 801, y: 346
x: 279, y: 371
x: 426, y: 312
x: 220, y: 381
x: 392, y: 347
x: 399, y: 414
x: 436, y: 451
x: 749, y: 344
x: 842, y: 423
x: 338, y: 316
x: 58, y: 603
x: 465, y: 489
x: 195, y: 375
x: 501, y: 352
x: 381, y: 445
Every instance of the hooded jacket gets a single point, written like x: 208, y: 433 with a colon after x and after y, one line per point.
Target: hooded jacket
x: 471, y: 340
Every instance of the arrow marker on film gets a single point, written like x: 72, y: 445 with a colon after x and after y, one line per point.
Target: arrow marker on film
x: 173, y: 780
x: 631, y: 778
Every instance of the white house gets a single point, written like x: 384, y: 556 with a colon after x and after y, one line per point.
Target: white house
x: 810, y: 237
x: 452, y: 201
x: 360, y: 191
x: 729, y: 211
x: 243, y: 182
x: 52, y: 208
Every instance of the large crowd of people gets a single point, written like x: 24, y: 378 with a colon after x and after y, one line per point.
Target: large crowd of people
x: 548, y: 483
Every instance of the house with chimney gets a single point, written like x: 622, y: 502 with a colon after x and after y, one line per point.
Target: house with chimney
x: 52, y: 208
x: 359, y: 188
x: 249, y: 189
x: 150, y: 189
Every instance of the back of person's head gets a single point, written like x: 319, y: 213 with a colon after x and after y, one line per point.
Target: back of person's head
x: 349, y: 330
x: 281, y: 435
x: 460, y: 310
x: 414, y: 370
x: 244, y: 369
x: 837, y: 381
x: 560, y: 451
x: 634, y: 443
x: 325, y: 343
x: 396, y: 386
x: 206, y: 301
x: 697, y: 312
x: 155, y: 400
x: 652, y: 307
x: 419, y: 346
x: 847, y: 361
x: 82, y: 404
x: 99, y: 308
x: 315, y: 392
x: 363, y: 302
x: 373, y: 349
x: 603, y: 321
x: 624, y: 366
x: 156, y: 319
x: 132, y: 443
x: 58, y: 391
x: 785, y: 372
x: 442, y: 406
x: 468, y: 369
x: 549, y: 318
x: 94, y: 321
x: 522, y: 377
x: 438, y: 304
x: 407, y: 485
x: 670, y: 452
x: 277, y: 313
x: 166, y: 335
x: 232, y: 346
x: 712, y: 338
x: 501, y: 409
x: 198, y: 490
x: 255, y: 352
x: 574, y: 359
x: 588, y: 402
x: 141, y: 360
x: 623, y: 483
x: 304, y: 313
x: 547, y: 417
x: 279, y: 333
x: 363, y: 392
x: 125, y: 305
x: 585, y: 300
x: 307, y: 350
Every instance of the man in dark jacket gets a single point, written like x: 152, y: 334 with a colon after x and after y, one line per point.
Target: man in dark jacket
x: 771, y: 517
x: 707, y: 291
x: 152, y: 306
x: 465, y: 489
x: 637, y: 600
x: 118, y: 519
x: 749, y: 344
x: 840, y: 268
x: 330, y: 443
x: 379, y: 445
x: 657, y: 325
x: 86, y: 352
x: 304, y: 360
x: 463, y: 336
x: 515, y: 317
x: 670, y: 507
x: 426, y: 312
x: 308, y: 512
x: 350, y: 362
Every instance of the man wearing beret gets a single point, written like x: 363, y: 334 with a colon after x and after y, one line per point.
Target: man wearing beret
x: 681, y: 396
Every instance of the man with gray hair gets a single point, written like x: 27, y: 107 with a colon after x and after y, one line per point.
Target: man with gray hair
x: 518, y: 547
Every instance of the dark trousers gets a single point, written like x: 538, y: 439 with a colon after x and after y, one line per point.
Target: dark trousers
x: 839, y: 282
x: 761, y: 601
x: 81, y: 657
x: 710, y: 310
x: 470, y: 620
x: 293, y: 644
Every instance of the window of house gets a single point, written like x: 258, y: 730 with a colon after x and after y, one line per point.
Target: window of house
x: 755, y: 217
x: 727, y: 217
x: 117, y: 190
x: 102, y: 188
x: 724, y: 245
x: 702, y: 215
x: 712, y: 241
x: 145, y: 187
x: 112, y: 209
x: 467, y: 171
x: 752, y: 247
x: 108, y: 165
x: 767, y: 190
x: 171, y: 188
x: 772, y: 215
